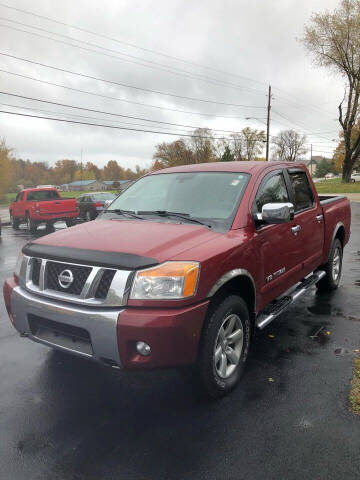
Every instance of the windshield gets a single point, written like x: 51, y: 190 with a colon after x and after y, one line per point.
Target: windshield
x: 203, y: 195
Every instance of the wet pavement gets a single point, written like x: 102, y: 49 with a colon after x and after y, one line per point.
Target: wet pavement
x: 66, y: 418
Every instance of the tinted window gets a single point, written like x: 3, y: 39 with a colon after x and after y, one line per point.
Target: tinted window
x: 272, y: 191
x: 303, y: 197
x: 42, y: 195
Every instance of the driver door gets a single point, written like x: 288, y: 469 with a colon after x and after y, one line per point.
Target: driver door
x: 278, y: 245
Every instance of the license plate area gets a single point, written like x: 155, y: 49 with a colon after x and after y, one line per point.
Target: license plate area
x: 60, y: 334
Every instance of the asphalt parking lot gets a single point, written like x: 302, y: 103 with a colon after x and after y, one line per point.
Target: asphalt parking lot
x: 66, y: 418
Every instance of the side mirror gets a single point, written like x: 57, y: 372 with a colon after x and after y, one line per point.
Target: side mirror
x: 107, y: 203
x: 273, y: 213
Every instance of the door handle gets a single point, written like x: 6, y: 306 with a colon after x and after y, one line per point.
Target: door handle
x: 319, y: 218
x: 295, y: 230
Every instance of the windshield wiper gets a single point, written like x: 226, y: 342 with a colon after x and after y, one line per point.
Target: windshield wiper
x: 165, y: 213
x: 119, y: 211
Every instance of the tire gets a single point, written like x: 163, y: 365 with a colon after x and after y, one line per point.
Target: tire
x: 14, y: 222
x: 332, y: 268
x: 353, y: 180
x: 31, y: 225
x: 69, y: 222
x: 88, y: 216
x: 221, y: 362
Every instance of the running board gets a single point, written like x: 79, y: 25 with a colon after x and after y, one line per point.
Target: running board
x: 283, y: 303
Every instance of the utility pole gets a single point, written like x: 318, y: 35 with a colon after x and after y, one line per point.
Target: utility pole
x: 268, y: 124
x: 311, y: 163
x: 81, y: 166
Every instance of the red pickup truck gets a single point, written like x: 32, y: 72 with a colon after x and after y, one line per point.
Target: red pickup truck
x: 182, y: 268
x: 39, y: 205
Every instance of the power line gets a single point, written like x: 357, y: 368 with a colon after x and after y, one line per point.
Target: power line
x: 148, y: 90
x: 75, y: 27
x: 148, y: 64
x: 107, y: 126
x: 106, y: 37
x: 109, y: 113
x: 118, y: 99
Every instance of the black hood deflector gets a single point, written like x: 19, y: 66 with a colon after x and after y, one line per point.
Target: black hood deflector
x: 124, y: 261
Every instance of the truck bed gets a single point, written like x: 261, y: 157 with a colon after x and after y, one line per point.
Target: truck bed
x: 326, y: 199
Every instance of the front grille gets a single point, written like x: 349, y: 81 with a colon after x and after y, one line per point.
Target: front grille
x: 35, y: 271
x: 104, y: 285
x: 79, y: 272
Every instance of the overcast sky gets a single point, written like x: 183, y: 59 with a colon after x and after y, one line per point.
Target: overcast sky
x: 254, y: 42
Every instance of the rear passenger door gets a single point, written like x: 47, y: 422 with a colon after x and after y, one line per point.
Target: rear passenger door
x: 277, y: 244
x: 308, y: 219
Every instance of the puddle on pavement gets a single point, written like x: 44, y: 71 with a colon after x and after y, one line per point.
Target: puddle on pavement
x: 340, y: 352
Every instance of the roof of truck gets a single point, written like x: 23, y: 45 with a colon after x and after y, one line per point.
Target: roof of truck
x: 244, y: 167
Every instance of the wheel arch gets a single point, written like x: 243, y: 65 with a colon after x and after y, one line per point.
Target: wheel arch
x: 238, y: 282
x: 340, y: 233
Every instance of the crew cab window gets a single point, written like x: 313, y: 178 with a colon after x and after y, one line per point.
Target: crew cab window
x: 272, y: 191
x: 42, y: 195
x: 303, y: 196
x: 17, y: 199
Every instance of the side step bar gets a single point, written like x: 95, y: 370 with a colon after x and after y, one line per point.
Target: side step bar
x: 283, y: 303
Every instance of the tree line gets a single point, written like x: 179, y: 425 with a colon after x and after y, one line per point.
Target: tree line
x: 15, y: 171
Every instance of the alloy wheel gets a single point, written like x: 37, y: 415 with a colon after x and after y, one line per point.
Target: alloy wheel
x: 228, y: 346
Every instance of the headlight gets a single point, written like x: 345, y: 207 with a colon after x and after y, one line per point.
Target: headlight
x: 171, y: 280
x: 17, y: 270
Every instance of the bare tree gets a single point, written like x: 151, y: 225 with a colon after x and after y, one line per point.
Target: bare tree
x: 237, y: 144
x: 334, y: 40
x: 289, y: 145
x: 202, y: 145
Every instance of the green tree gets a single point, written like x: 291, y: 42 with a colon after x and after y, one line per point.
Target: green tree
x: 324, y: 167
x: 227, y: 156
x: 333, y: 38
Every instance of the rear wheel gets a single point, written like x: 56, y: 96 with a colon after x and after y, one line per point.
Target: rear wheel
x: 88, y: 216
x: 224, y: 347
x: 14, y: 222
x: 31, y: 225
x: 332, y: 268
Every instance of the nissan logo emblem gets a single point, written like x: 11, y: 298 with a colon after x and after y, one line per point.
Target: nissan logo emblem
x: 65, y: 278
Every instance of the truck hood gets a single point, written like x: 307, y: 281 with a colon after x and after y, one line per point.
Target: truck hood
x: 122, y: 243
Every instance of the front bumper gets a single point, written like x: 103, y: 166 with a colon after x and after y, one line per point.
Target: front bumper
x: 108, y: 335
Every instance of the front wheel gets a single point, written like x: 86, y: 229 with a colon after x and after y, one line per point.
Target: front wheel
x: 332, y: 268
x: 225, y: 346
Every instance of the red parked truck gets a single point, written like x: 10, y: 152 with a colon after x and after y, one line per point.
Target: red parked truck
x: 42, y: 205
x: 182, y: 268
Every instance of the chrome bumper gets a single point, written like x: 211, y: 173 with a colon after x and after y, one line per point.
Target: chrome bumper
x: 101, y: 325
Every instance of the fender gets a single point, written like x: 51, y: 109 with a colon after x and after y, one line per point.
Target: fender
x: 237, y: 272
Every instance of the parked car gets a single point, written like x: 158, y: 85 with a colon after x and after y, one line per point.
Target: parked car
x: 42, y: 205
x: 182, y: 269
x: 328, y: 176
x: 91, y: 204
x: 355, y: 177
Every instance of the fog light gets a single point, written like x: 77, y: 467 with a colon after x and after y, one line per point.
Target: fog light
x: 143, y: 349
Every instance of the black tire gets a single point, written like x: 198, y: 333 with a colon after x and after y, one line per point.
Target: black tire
x: 332, y: 278
x: 353, y: 180
x: 215, y: 385
x: 31, y: 225
x: 88, y: 216
x: 14, y: 222
x: 70, y: 222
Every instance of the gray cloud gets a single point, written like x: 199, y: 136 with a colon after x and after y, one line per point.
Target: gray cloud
x: 254, y: 39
